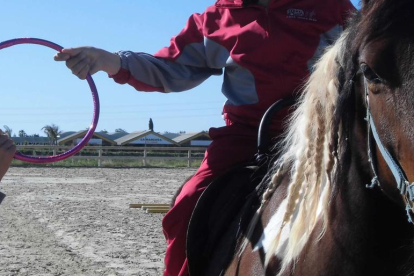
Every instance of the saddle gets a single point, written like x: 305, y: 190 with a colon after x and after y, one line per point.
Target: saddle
x: 221, y: 203
x: 228, y: 204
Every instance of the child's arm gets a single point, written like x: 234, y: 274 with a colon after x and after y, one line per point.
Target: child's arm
x: 84, y: 60
x: 7, y: 150
x: 190, y: 59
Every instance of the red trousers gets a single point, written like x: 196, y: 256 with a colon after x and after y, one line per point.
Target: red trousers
x: 231, y: 145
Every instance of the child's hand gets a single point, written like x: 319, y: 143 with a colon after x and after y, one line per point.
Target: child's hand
x: 84, y: 60
x: 7, y: 150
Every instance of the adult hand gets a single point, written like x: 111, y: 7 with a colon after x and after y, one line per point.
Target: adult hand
x: 7, y: 150
x: 89, y: 60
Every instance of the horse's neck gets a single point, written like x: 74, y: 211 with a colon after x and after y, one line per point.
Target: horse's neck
x: 367, y: 234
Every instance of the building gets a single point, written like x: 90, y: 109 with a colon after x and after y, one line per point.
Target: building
x: 190, y: 139
x: 98, y: 139
x: 137, y: 138
x: 145, y: 138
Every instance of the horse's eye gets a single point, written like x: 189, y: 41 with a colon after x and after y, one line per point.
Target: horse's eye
x: 369, y: 74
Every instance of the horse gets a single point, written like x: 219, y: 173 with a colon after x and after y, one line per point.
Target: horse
x: 338, y: 201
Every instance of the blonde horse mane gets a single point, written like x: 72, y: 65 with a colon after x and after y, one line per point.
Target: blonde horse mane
x: 308, y: 152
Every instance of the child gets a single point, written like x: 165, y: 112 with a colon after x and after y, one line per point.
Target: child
x: 7, y: 150
x: 265, y: 49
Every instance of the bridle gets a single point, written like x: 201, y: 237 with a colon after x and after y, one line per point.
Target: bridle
x: 406, y: 188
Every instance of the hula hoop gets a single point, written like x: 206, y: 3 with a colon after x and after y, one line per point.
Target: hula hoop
x: 95, y: 97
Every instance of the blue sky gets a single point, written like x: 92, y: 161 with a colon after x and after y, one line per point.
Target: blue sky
x: 36, y: 91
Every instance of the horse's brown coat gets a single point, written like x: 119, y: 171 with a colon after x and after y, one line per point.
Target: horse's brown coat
x: 368, y: 232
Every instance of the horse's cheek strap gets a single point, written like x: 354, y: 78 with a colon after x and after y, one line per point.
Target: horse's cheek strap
x: 410, y: 189
x: 406, y: 188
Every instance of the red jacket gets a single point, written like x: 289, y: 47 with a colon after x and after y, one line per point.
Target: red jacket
x: 266, y: 53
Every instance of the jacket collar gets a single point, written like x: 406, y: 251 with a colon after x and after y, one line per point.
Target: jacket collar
x: 229, y: 3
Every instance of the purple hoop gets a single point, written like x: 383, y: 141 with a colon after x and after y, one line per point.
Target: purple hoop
x: 95, y: 97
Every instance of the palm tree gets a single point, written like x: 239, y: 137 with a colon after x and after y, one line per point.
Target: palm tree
x: 22, y: 133
x: 8, y: 131
x: 53, y: 132
x: 119, y: 130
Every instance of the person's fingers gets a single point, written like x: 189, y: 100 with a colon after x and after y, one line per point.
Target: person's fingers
x: 7, y: 152
x: 83, y: 72
x: 78, y: 67
x: 6, y: 145
x: 3, y: 139
x: 81, y: 60
x: 61, y: 57
x: 72, y: 51
x: 93, y: 69
x: 68, y: 53
x: 12, y: 149
x: 70, y: 63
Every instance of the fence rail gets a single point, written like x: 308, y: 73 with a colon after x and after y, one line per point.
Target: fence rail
x: 101, y: 153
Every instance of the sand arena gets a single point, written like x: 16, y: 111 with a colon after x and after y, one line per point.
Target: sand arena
x: 77, y: 221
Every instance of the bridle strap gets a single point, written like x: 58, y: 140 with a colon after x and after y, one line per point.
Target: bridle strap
x: 402, y: 182
x: 406, y: 188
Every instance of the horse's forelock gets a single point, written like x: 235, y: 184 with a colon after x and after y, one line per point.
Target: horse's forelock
x: 345, y: 110
x: 385, y: 18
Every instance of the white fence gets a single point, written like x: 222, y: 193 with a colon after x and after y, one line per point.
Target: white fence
x: 101, y: 153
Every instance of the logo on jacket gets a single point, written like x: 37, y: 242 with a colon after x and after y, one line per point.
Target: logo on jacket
x: 301, y: 14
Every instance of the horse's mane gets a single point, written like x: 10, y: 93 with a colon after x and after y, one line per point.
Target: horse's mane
x: 308, y: 153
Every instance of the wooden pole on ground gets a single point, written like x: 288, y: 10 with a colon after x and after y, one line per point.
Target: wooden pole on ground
x: 151, y: 207
x: 140, y: 205
x: 156, y: 211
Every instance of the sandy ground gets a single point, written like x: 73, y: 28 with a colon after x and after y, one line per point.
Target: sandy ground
x: 77, y: 221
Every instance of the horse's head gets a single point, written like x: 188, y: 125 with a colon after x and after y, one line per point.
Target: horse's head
x: 381, y: 47
x: 369, y: 68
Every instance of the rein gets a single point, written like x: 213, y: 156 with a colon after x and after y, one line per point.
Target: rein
x: 406, y: 188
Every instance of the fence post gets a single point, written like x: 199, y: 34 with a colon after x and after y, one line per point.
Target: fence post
x: 54, y: 154
x: 189, y: 159
x: 144, y: 161
x: 100, y: 157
